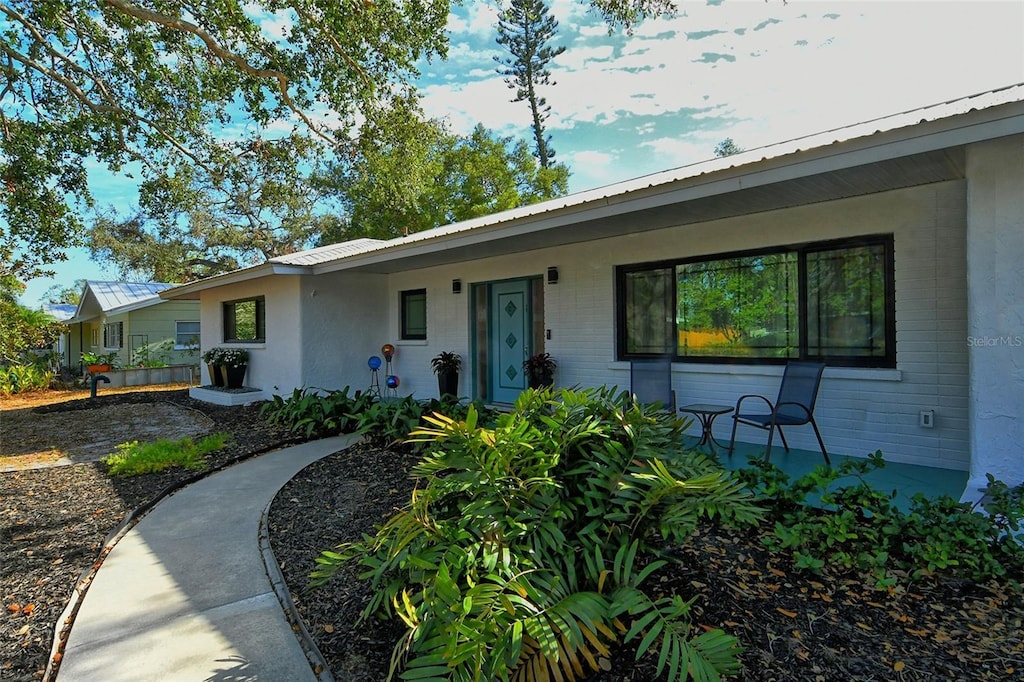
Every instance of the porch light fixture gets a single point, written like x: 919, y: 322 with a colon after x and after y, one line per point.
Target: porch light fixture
x: 552, y: 275
x: 456, y: 286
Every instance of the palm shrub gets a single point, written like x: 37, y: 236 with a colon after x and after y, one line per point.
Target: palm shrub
x: 523, y: 552
x: 317, y: 413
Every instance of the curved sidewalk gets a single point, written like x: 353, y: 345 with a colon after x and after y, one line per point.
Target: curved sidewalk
x: 185, y: 596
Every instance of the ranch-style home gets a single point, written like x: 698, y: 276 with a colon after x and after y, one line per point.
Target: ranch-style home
x: 893, y: 250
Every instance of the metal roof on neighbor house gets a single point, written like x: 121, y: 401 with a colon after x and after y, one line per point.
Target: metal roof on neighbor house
x: 733, y: 173
x: 117, y: 297
x: 60, y: 311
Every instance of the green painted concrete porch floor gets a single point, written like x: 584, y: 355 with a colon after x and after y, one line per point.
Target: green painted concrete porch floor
x: 906, y: 479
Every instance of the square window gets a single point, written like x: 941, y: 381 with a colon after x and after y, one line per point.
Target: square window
x: 414, y: 314
x: 186, y: 335
x: 245, y: 320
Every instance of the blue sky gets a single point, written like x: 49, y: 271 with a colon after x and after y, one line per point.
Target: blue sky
x: 758, y: 72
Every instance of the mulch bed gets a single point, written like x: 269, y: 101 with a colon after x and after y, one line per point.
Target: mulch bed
x: 54, y: 521
x: 794, y: 626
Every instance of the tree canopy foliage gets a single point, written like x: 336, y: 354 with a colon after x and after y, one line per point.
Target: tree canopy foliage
x: 162, y: 84
x: 193, y: 97
x: 412, y: 174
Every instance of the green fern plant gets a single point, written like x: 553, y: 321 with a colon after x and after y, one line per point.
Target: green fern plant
x: 523, y: 552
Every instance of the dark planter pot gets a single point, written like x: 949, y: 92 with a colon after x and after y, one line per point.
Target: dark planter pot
x: 541, y: 380
x: 234, y: 376
x: 216, y: 375
x: 448, y: 384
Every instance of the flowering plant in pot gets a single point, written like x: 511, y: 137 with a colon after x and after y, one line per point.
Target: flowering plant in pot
x: 446, y: 366
x: 233, y: 364
x: 212, y: 358
x: 540, y: 370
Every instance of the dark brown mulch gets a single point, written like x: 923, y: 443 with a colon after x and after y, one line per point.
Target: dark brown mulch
x: 54, y: 521
x: 794, y: 626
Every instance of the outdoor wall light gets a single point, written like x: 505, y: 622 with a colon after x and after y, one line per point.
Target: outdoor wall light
x: 456, y: 286
x: 552, y: 275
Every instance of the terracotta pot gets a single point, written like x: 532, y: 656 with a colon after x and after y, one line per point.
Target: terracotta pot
x: 96, y: 369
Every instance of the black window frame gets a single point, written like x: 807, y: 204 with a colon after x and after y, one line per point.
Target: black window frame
x: 407, y: 296
x: 230, y: 320
x: 801, y: 250
x: 108, y: 327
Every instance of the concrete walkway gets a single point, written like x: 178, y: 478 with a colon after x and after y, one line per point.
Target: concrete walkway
x: 185, y: 596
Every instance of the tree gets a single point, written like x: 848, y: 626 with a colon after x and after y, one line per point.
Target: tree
x: 72, y: 294
x: 196, y: 225
x: 157, y: 84
x: 524, y: 28
x: 22, y: 329
x: 412, y: 174
x: 727, y: 148
x: 155, y: 88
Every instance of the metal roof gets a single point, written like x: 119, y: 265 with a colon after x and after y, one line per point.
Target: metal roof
x: 60, y: 311
x: 325, y: 254
x: 871, y: 156
x: 106, y: 298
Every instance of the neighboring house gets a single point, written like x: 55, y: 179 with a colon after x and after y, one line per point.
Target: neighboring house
x: 130, y: 320
x: 892, y: 249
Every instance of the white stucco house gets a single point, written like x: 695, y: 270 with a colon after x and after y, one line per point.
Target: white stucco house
x: 892, y: 249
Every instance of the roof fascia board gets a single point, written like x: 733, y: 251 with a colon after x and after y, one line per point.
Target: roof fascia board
x: 254, y: 272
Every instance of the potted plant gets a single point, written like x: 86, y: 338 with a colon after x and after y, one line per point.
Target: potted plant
x: 234, y: 363
x: 213, y: 361
x: 446, y: 366
x: 98, y: 362
x: 540, y: 370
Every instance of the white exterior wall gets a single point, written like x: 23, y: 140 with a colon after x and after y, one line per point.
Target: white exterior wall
x: 859, y: 410
x: 344, y: 318
x: 276, y: 365
x: 995, y: 334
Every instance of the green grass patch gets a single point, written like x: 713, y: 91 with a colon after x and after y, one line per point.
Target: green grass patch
x: 135, y: 458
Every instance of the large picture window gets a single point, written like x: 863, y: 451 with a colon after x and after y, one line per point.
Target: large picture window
x: 414, y: 314
x: 245, y: 320
x: 830, y: 301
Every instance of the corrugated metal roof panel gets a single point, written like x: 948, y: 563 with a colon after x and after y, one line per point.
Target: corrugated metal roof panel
x: 326, y: 254
x: 60, y: 311
x: 111, y: 295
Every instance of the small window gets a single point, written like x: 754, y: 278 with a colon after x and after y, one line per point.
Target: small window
x: 414, y: 314
x: 245, y: 320
x: 186, y: 335
x: 113, y: 335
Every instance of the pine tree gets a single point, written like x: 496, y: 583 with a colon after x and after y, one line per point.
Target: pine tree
x: 524, y: 28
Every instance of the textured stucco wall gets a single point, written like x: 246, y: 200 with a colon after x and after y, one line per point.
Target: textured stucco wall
x: 859, y: 411
x: 275, y: 365
x: 995, y: 337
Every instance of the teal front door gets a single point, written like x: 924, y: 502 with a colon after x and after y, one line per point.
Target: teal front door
x: 509, y: 338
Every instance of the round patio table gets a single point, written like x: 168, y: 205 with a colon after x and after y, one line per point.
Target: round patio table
x: 707, y: 414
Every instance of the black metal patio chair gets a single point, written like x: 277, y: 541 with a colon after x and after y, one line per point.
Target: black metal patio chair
x: 650, y: 382
x: 793, y: 407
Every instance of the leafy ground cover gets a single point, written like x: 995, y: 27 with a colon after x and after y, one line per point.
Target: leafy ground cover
x: 794, y: 625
